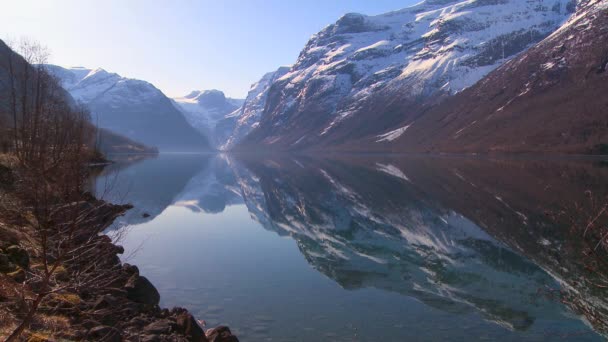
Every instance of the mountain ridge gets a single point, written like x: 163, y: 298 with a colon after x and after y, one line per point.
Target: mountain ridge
x: 423, y: 53
x: 105, y: 141
x: 548, y: 99
x: 208, y: 111
x: 249, y: 114
x: 131, y: 107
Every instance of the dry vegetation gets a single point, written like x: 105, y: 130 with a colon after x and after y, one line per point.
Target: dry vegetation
x: 49, y: 225
x: 60, y: 277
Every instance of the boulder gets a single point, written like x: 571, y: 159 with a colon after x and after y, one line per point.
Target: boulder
x: 220, y: 334
x: 150, y: 338
x: 6, y: 265
x: 18, y: 256
x: 119, y: 249
x: 130, y: 269
x: 163, y: 326
x: 138, y: 322
x: 105, y: 301
x: 140, y: 290
x: 186, y: 324
x: 18, y: 275
x: 104, y: 333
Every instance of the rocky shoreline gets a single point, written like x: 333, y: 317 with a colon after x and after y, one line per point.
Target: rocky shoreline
x: 130, y: 311
x: 119, y: 305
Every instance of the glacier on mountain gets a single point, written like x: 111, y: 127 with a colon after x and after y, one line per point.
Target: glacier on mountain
x: 210, y: 112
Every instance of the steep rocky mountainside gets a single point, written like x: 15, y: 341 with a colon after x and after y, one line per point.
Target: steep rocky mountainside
x: 248, y: 116
x: 416, y: 55
x: 106, y: 140
x: 226, y: 121
x: 208, y: 111
x: 551, y: 98
x: 133, y: 108
x: 109, y: 142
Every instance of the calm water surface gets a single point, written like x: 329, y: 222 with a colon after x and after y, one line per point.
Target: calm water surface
x: 365, y: 249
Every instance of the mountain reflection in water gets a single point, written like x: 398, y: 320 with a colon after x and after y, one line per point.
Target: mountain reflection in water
x: 490, y: 238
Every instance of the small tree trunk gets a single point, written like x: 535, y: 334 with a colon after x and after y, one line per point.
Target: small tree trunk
x: 27, y: 320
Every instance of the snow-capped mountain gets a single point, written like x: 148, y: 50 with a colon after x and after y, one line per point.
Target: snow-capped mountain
x: 422, y: 53
x: 249, y: 114
x: 225, y: 120
x: 551, y: 98
x: 133, y: 108
x: 207, y: 110
x: 106, y: 141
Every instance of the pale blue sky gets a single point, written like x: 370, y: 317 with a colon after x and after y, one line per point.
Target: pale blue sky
x: 179, y: 45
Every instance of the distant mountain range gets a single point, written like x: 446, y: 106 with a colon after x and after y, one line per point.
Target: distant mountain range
x: 440, y: 76
x: 106, y: 141
x: 133, y: 108
x: 370, y: 77
x: 210, y: 112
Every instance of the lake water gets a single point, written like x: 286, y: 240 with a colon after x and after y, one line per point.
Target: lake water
x: 383, y: 248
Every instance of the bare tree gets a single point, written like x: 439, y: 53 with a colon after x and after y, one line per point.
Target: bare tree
x: 53, y: 143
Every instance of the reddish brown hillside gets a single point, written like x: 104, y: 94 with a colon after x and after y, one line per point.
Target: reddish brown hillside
x: 553, y: 98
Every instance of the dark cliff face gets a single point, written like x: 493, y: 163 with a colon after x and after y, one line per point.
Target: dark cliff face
x: 351, y: 75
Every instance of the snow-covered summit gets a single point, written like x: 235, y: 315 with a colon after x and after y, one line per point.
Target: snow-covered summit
x: 131, y: 107
x: 205, y: 98
x: 205, y: 109
x: 434, y: 47
x: 88, y: 85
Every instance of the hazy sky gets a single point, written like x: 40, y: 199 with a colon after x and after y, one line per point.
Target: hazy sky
x: 179, y: 46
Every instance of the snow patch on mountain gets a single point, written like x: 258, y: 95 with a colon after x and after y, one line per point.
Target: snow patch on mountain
x: 205, y: 110
x: 392, y: 135
x: 435, y: 47
x: 87, y: 85
x: 249, y: 114
x: 131, y: 107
